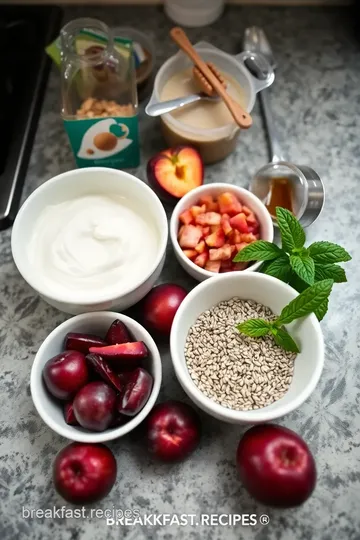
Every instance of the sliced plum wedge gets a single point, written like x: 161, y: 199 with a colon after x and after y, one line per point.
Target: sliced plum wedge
x: 75, y: 341
x: 117, y: 333
x: 137, y: 392
x: 102, y: 368
x: 123, y: 356
x: 69, y: 414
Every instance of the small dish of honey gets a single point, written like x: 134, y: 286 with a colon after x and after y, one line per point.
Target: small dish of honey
x: 296, y: 188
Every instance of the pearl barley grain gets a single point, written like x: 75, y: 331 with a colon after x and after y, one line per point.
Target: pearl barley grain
x: 234, y: 370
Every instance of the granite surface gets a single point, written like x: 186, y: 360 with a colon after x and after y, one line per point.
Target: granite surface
x: 316, y: 101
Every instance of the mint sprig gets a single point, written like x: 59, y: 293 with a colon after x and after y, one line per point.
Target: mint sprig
x: 327, y: 252
x: 259, y: 251
x: 304, y: 267
x: 307, y: 302
x: 254, y: 327
x: 294, y: 263
x: 279, y: 268
x: 292, y: 233
x: 314, y: 299
x: 284, y: 340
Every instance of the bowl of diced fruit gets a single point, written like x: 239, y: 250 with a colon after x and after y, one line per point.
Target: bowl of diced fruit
x: 212, y: 223
x: 96, y: 377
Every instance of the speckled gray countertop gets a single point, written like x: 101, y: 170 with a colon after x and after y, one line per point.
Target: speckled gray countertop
x: 316, y: 101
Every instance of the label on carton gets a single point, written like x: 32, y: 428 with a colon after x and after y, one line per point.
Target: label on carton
x: 105, y: 142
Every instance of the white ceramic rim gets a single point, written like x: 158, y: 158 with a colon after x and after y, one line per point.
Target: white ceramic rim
x: 174, y: 225
x: 193, y: 391
x: 216, y: 133
x: 71, y: 433
x: 71, y: 297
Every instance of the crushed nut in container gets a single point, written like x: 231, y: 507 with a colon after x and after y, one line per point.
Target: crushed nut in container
x: 97, y: 108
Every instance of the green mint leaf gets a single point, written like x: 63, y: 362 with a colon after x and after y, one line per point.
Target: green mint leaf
x: 254, y: 327
x: 304, y: 267
x: 279, y: 268
x: 327, y: 252
x: 330, y: 271
x: 292, y: 234
x: 320, y: 312
x: 284, y: 340
x: 307, y: 302
x: 297, y: 283
x: 258, y: 251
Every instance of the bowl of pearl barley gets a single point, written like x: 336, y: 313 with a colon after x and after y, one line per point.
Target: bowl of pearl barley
x: 234, y: 377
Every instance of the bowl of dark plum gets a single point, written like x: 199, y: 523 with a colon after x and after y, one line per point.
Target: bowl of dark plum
x: 96, y: 377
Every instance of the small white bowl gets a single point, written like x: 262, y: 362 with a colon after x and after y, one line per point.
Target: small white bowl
x: 244, y: 196
x: 274, y: 294
x: 79, y: 182
x: 51, y: 410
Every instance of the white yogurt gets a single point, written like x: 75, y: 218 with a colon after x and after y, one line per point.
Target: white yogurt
x: 92, y: 243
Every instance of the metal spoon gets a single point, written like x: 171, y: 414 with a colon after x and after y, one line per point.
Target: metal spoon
x: 308, y: 192
x: 157, y: 109
x: 255, y: 41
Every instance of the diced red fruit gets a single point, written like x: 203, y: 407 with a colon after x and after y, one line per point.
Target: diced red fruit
x: 254, y: 229
x: 246, y: 210
x: 190, y: 253
x: 213, y: 266
x: 239, y: 222
x: 251, y: 219
x: 201, y: 247
x: 201, y: 259
x: 226, y: 226
x: 196, y: 210
x: 209, y: 218
x: 225, y: 223
x: 102, y: 368
x: 69, y: 414
x: 229, y: 204
x: 239, y: 266
x: 211, y: 205
x: 75, y: 341
x: 118, y: 333
x: 235, y: 237
x: 186, y: 217
x: 241, y: 246
x: 137, y: 392
x: 216, y: 239
x: 226, y: 266
x: 248, y: 238
x: 190, y: 236
x: 221, y: 253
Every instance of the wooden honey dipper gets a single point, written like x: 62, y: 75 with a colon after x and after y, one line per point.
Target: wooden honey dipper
x: 204, y: 83
x: 211, y: 81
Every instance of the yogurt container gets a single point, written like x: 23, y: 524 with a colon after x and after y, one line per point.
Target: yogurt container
x: 91, y: 239
x: 213, y: 144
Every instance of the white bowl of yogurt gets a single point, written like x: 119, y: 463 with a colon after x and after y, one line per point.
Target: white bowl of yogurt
x: 91, y: 239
